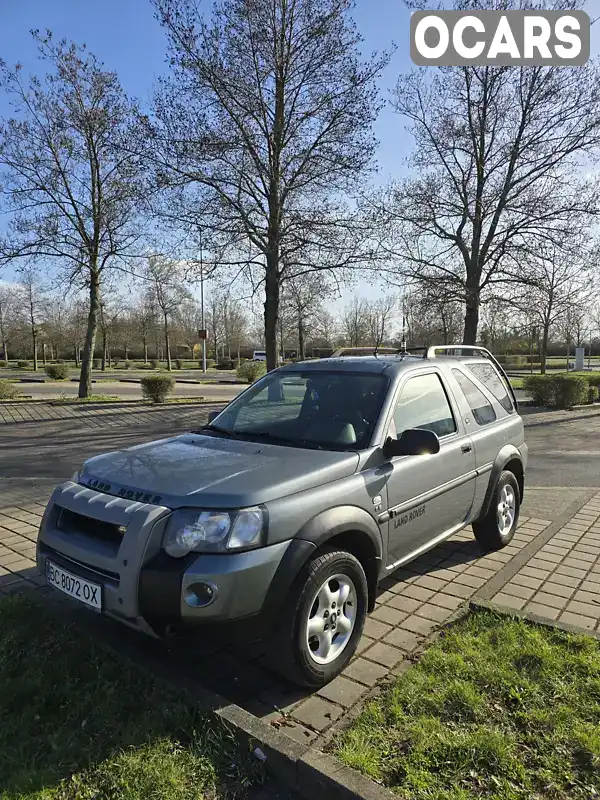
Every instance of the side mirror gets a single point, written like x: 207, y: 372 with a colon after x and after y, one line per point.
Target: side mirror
x: 413, y: 442
x: 213, y: 415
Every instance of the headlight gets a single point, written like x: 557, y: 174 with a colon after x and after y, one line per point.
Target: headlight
x: 76, y: 475
x: 190, y: 530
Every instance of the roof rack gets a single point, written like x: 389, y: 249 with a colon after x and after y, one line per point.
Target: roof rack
x: 471, y: 350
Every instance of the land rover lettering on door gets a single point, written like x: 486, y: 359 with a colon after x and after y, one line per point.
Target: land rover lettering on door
x: 279, y: 517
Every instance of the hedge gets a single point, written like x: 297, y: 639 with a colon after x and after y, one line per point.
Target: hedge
x: 23, y: 364
x: 57, y: 372
x: 157, y: 387
x: 8, y: 390
x: 559, y: 391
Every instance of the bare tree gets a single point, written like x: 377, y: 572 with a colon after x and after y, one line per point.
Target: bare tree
x: 380, y: 314
x: 166, y: 281
x: 561, y: 288
x: 8, y: 316
x: 355, y: 322
x: 72, y: 192
x: 302, y: 299
x: 32, y: 307
x: 266, y: 121
x: 497, y: 156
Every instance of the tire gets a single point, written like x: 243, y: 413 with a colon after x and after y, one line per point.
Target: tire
x: 303, y: 657
x: 497, y: 529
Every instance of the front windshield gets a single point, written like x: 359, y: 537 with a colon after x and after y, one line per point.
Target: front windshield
x: 313, y: 409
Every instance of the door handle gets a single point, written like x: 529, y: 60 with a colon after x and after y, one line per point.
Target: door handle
x: 466, y: 448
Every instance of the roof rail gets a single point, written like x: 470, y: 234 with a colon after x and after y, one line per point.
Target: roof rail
x: 473, y: 350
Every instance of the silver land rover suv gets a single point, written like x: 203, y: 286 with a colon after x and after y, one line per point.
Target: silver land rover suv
x: 286, y: 510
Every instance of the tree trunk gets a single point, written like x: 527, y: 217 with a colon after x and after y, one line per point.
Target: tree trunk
x: 167, y: 343
x: 85, y: 378
x: 5, y: 349
x: 145, y: 351
x: 104, y: 346
x: 35, y: 350
x: 126, y: 353
x: 76, y: 352
x: 471, y: 315
x: 544, y: 347
x: 271, y: 310
x: 44, y: 353
x: 301, y: 346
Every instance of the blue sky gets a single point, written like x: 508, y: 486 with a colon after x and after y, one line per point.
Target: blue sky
x: 125, y: 35
x: 127, y: 38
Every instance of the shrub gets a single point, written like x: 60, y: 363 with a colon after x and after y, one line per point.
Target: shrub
x: 23, y: 364
x: 8, y: 390
x: 115, y: 363
x: 154, y: 364
x: 157, y: 387
x: 57, y: 372
x: 97, y: 363
x: 251, y: 371
x: 145, y: 366
x: 557, y: 391
x: 3, y: 364
x: 60, y: 361
x: 178, y: 363
x: 127, y: 365
x: 569, y: 390
x: 226, y: 364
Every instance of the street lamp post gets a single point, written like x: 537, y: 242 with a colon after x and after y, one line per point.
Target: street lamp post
x: 202, y: 308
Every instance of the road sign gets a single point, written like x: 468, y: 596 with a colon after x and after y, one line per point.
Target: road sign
x: 202, y: 334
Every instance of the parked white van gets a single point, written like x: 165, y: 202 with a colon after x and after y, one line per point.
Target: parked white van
x: 259, y: 355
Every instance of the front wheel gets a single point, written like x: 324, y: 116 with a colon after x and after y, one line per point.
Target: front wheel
x: 322, y: 619
x: 498, y: 527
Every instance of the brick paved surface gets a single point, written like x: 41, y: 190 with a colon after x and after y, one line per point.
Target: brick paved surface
x: 552, y: 568
x: 562, y: 580
x: 97, y: 416
x: 411, y: 603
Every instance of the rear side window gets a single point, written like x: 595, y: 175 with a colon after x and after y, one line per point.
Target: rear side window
x: 488, y: 375
x: 478, y: 402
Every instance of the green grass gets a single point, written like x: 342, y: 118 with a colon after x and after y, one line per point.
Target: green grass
x: 516, y: 383
x: 93, y: 398
x: 80, y: 723
x: 496, y: 709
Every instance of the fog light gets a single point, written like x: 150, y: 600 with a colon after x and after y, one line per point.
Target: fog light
x: 199, y: 595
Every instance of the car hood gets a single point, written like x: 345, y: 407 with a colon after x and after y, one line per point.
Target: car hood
x: 198, y: 470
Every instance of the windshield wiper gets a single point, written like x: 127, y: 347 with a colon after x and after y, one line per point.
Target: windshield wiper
x: 284, y: 439
x: 216, y: 429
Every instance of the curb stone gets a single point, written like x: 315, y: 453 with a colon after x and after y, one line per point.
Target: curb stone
x: 307, y: 772
x: 477, y: 604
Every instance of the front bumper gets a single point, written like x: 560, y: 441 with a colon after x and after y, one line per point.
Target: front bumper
x: 117, y: 543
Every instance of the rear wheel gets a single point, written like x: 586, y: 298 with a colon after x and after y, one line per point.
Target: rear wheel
x: 498, y: 527
x: 322, y: 619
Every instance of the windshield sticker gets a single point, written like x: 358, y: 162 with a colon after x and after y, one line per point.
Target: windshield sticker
x: 409, y: 516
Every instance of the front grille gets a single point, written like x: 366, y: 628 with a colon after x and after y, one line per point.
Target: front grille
x: 71, y: 522
x: 85, y: 570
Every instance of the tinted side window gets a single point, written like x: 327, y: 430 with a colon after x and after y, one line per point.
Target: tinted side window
x: 478, y: 403
x: 423, y: 404
x: 488, y: 375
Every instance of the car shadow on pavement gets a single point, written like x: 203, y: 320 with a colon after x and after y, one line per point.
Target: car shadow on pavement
x: 239, y: 671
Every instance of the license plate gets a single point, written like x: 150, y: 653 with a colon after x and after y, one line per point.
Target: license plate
x: 82, y: 590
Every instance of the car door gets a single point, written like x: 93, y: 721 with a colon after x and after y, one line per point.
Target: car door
x: 428, y: 495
